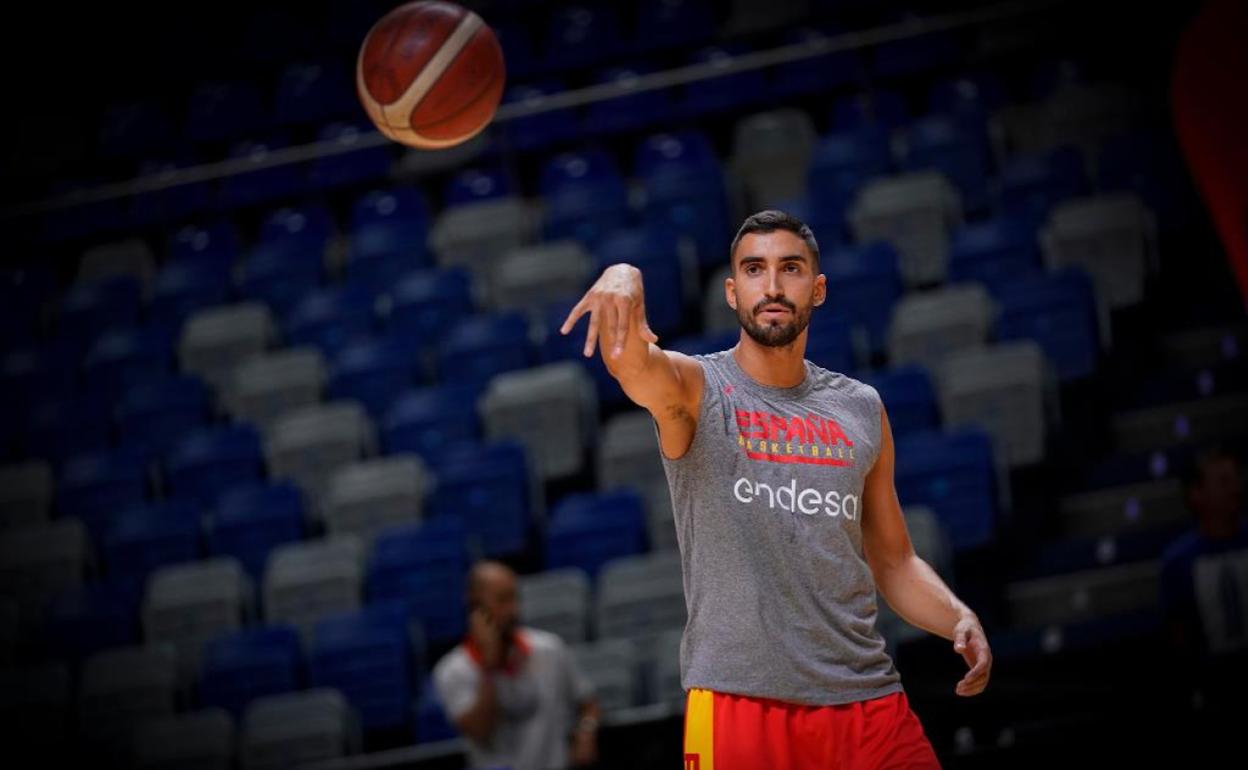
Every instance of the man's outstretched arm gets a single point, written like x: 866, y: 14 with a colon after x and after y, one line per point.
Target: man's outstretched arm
x: 909, y: 584
x: 665, y: 383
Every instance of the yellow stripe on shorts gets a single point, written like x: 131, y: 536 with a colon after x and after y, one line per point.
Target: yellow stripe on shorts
x: 700, y: 730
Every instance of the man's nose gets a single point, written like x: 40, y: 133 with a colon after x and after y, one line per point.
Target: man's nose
x: 773, y: 284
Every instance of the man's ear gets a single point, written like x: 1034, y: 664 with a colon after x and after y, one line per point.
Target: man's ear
x: 730, y: 292
x: 821, y: 289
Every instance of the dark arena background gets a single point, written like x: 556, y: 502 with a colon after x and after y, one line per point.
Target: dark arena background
x: 270, y: 382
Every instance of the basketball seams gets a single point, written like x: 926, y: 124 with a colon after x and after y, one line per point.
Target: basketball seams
x: 485, y: 85
x: 400, y: 111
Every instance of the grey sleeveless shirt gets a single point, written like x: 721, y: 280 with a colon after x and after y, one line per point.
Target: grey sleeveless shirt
x: 768, y: 505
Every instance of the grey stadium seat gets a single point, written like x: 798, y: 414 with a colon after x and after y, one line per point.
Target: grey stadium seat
x: 771, y: 154
x: 131, y: 256
x: 123, y: 687
x: 476, y: 235
x: 629, y: 457
x: 916, y: 212
x: 188, y: 604
x: 217, y: 339
x: 366, y: 497
x: 1009, y: 389
x: 280, y: 731
x: 530, y: 277
x: 640, y: 596
x: 551, y: 409
x: 305, y: 581
x: 268, y: 386
x: 203, y: 740
x: 557, y: 601
x: 717, y: 314
x: 611, y: 666
x: 25, y: 493
x: 307, y: 445
x: 928, y: 326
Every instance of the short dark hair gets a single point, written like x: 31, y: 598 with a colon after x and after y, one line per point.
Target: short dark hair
x: 769, y: 221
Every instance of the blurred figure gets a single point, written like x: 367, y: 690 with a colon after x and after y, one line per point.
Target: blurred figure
x: 514, y: 692
x: 1204, y: 582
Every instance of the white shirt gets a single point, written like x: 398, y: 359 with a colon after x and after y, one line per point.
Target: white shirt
x: 537, y: 704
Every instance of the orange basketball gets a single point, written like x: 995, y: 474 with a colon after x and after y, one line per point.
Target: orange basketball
x: 430, y: 74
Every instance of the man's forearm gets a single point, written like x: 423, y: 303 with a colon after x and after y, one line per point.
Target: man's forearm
x: 916, y: 593
x: 478, y: 722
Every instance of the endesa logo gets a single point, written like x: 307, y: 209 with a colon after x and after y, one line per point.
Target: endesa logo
x: 790, y: 498
x: 812, y: 440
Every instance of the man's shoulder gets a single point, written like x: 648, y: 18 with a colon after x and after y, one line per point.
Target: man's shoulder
x: 543, y: 641
x: 455, y: 660
x: 845, y: 383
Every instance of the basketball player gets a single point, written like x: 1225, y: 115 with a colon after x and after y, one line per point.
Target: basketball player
x: 781, y: 474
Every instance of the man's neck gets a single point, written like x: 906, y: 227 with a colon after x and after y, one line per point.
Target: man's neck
x: 774, y: 367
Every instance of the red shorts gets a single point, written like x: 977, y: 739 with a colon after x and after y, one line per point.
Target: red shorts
x: 737, y: 732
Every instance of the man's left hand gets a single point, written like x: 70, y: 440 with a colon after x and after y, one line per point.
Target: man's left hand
x: 584, y: 748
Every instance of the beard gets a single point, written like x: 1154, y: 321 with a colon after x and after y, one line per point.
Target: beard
x: 774, y: 334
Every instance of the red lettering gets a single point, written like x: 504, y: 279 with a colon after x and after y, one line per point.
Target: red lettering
x: 777, y: 426
x: 796, y: 431
x: 816, y: 426
x: 838, y: 435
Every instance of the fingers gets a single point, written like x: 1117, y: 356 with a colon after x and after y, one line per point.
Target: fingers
x: 591, y: 337
x: 574, y: 315
x: 620, y: 318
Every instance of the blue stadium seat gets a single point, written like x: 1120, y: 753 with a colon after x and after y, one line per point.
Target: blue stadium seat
x: 431, y: 721
x: 588, y: 530
x: 473, y: 185
x: 183, y: 287
x: 974, y: 94
x: 274, y: 278
x: 517, y: 47
x: 585, y: 196
x: 388, y: 236
x: 685, y: 191
x: 365, y: 655
x: 40, y: 371
x: 60, y: 427
x: 883, y: 109
x: 426, y: 566
x: 172, y: 203
x: 579, y: 36
x: 314, y: 92
x: 122, y: 359
x: 221, y: 111
x: 143, y: 538
x: 957, y: 146
x: 251, y: 519
x: 629, y: 112
x: 489, y: 488
x: 1031, y: 185
x: 543, y: 129
x: 93, y: 487
x: 829, y: 341
x: 843, y: 162
x: 87, y: 309
x: 954, y: 475
x: 208, y: 461
x: 298, y: 232
x: 157, y: 414
x: 570, y: 347
x: 703, y: 344
x: 216, y: 243
x: 915, y: 55
x: 818, y: 74
x: 656, y: 252
x: 237, y: 668
x: 477, y: 348
x: 352, y: 165
x: 23, y: 292
x: 427, y: 421
x: 93, y: 617
x: 375, y: 371
x: 331, y: 318
x: 424, y: 303
x: 865, y: 283
x: 909, y: 397
x: 724, y: 92
x: 261, y: 185
x: 672, y: 24
x: 133, y: 129
x: 1057, y: 310
x: 994, y: 251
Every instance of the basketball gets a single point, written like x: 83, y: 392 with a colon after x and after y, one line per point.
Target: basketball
x: 430, y: 74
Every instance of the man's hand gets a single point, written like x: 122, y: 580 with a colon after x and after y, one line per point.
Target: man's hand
x: 614, y: 301
x: 485, y: 634
x: 970, y: 642
x: 584, y: 748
